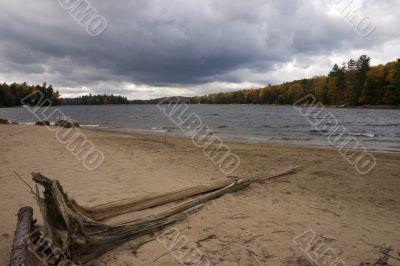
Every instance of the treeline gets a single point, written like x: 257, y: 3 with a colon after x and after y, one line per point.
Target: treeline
x: 354, y: 83
x: 101, y: 99
x: 164, y: 100
x: 13, y: 94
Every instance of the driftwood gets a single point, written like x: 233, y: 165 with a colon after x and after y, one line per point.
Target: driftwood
x: 4, y: 121
x: 24, y: 226
x: 66, y: 122
x: 42, y: 123
x: 116, y: 208
x: 81, y: 235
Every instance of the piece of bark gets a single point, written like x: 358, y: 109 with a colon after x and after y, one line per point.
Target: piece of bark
x: 24, y: 226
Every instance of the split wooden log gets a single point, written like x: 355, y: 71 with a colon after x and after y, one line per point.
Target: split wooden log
x: 112, y: 209
x: 24, y: 226
x: 81, y: 237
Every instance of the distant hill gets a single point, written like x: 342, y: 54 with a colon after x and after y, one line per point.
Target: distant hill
x: 100, y: 99
x: 165, y: 100
x: 69, y: 101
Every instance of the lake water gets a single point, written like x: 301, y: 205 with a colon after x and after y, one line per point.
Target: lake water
x: 376, y: 129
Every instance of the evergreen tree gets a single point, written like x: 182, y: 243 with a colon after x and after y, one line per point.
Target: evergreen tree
x: 339, y: 73
x: 392, y: 95
x: 358, y: 71
x: 374, y: 85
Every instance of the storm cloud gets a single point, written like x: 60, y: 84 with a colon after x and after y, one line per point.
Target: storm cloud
x: 154, y: 48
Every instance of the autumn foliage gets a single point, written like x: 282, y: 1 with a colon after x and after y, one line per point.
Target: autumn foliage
x: 354, y: 83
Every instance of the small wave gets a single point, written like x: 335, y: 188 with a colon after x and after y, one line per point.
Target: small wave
x: 383, y: 125
x: 324, y: 131
x: 369, y: 135
x: 90, y: 125
x: 152, y: 130
x: 259, y: 139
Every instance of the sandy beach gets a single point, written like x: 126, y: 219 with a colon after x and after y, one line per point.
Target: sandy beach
x: 355, y: 215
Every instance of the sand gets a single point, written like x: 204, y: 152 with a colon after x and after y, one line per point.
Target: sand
x: 355, y: 215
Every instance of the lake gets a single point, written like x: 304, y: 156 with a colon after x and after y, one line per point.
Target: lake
x: 376, y: 129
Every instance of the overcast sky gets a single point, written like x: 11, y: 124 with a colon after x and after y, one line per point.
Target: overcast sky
x: 153, y: 48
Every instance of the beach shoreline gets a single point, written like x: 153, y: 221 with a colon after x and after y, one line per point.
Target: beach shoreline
x: 243, y: 140
x: 326, y: 195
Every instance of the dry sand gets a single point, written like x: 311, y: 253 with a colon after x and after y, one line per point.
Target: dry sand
x: 355, y: 215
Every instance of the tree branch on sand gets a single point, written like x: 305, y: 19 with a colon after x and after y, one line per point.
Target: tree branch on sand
x: 80, y: 233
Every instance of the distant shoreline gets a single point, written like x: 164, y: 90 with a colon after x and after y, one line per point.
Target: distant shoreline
x: 367, y: 106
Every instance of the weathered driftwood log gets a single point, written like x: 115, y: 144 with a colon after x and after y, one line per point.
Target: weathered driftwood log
x: 24, y: 226
x: 4, y: 121
x: 81, y: 237
x: 66, y: 122
x: 42, y: 123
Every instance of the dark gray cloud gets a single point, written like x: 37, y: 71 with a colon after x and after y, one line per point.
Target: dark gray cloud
x: 180, y: 43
